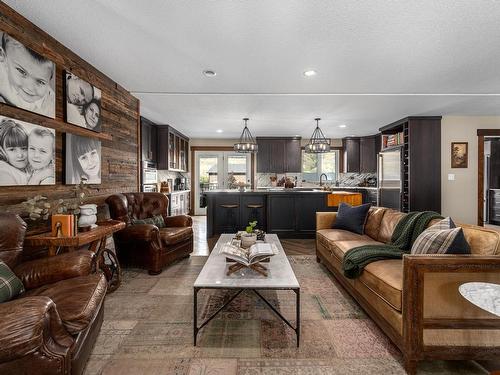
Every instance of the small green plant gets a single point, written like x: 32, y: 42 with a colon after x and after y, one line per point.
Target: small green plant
x: 251, y: 225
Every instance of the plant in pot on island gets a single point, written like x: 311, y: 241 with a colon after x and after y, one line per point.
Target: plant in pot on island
x: 248, y: 238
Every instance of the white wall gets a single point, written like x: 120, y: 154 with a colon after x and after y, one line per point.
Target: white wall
x: 459, y: 197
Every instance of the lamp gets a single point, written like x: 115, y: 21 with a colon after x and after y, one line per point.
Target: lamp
x: 247, y: 142
x: 318, y: 142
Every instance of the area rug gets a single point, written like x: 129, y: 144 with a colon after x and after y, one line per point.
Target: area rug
x: 148, y: 330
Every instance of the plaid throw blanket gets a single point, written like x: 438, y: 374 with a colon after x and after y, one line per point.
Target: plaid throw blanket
x: 405, y: 233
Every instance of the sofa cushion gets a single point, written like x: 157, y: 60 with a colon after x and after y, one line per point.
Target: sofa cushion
x: 77, y: 299
x: 388, y: 224
x: 339, y: 248
x: 173, y: 235
x: 385, y: 278
x: 10, y: 285
x: 351, y: 218
x: 441, y: 238
x: 155, y: 220
x: 373, y: 221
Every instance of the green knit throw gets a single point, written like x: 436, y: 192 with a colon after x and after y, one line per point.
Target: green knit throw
x: 405, y: 233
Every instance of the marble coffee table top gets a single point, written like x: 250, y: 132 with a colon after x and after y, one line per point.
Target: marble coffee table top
x: 483, y: 295
x: 280, y: 273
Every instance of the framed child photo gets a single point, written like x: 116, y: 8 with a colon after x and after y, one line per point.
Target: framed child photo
x: 82, y: 103
x: 27, y: 153
x: 27, y: 79
x: 459, y: 154
x: 83, y: 160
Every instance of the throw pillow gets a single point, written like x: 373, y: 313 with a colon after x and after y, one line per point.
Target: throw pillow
x: 10, y: 284
x: 352, y: 218
x: 155, y: 220
x: 441, y: 238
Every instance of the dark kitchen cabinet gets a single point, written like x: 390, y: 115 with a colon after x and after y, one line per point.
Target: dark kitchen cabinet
x: 282, y: 214
x: 148, y: 140
x: 351, y: 155
x: 253, y: 207
x: 368, y: 150
x: 360, y: 154
x: 279, y: 155
x: 306, y: 207
x: 173, y: 149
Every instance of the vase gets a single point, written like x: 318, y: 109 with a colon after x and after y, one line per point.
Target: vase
x: 88, y: 215
x: 248, y: 239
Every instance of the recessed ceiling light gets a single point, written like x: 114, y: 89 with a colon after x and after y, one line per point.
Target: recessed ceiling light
x: 219, y: 131
x: 209, y: 73
x: 310, y: 73
x: 343, y: 126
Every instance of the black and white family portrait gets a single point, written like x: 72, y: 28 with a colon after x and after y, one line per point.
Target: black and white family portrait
x: 83, y: 103
x: 83, y: 159
x: 27, y: 79
x: 27, y: 153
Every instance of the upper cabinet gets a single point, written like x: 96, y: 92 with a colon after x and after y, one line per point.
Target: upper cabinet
x: 148, y: 140
x: 360, y: 154
x: 279, y: 155
x: 173, y: 149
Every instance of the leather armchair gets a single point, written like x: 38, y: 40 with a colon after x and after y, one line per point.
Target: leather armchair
x: 52, y: 327
x: 146, y: 245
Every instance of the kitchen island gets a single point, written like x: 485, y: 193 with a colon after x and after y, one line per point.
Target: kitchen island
x: 289, y: 213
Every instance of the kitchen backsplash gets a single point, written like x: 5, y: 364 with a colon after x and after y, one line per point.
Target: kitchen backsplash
x: 345, y: 179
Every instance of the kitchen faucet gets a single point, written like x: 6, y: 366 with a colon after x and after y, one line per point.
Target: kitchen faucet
x: 321, y: 178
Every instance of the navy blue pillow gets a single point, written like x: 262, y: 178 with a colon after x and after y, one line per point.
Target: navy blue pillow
x: 352, y: 218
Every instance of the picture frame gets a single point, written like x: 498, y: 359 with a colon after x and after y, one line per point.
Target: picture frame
x: 459, y: 154
x: 83, y: 160
x: 27, y: 78
x: 27, y: 153
x: 82, y: 102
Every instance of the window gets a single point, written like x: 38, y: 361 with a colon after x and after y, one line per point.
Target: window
x: 313, y: 165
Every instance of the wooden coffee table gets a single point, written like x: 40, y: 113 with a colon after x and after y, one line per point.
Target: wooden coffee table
x: 214, y: 276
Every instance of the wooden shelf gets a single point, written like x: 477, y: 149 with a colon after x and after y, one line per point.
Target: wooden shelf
x: 64, y: 127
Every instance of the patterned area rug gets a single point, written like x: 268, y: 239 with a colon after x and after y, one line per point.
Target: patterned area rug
x: 148, y: 330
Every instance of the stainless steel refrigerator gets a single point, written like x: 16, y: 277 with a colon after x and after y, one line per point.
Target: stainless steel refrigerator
x: 390, y: 179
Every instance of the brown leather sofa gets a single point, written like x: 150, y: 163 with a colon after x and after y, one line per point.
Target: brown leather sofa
x: 52, y: 327
x: 415, y: 300
x: 146, y: 245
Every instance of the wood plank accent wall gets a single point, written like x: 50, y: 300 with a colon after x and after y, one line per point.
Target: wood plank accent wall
x: 120, y: 138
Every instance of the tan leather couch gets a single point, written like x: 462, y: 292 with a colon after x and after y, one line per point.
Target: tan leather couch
x: 52, y: 327
x: 415, y: 300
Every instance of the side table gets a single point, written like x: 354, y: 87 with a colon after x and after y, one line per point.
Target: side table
x: 104, y: 258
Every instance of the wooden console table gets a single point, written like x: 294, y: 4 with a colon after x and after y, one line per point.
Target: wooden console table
x: 95, y: 239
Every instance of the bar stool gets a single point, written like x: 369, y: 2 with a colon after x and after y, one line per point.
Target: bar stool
x: 255, y: 214
x: 231, y: 224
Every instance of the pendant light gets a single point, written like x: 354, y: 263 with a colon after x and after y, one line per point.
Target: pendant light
x: 318, y: 142
x: 247, y: 142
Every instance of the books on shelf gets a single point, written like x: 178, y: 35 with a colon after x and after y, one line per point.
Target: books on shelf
x: 390, y: 140
x: 254, y: 254
x: 64, y: 225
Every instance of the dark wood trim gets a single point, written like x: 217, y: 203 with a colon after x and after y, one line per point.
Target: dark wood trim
x: 480, y: 180
x: 488, y: 132
x: 395, y: 124
x: 211, y: 148
x: 460, y: 324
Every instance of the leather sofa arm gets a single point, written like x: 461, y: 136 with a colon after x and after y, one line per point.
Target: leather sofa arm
x: 178, y: 221
x: 139, y: 232
x: 38, y: 272
x: 32, y: 324
x: 325, y: 220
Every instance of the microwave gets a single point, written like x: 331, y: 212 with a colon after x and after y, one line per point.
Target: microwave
x: 149, y: 173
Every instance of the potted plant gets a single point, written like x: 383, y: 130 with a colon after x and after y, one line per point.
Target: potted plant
x: 249, y: 237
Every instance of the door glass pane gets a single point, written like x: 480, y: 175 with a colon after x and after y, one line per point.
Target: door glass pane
x: 236, y: 171
x: 208, y: 173
x: 329, y: 165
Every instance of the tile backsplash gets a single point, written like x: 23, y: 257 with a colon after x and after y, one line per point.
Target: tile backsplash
x: 164, y: 175
x: 345, y: 179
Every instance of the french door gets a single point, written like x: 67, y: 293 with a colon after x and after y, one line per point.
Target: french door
x: 218, y: 170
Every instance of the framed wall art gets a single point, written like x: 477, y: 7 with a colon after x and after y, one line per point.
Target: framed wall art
x: 27, y: 79
x: 83, y: 160
x: 27, y: 153
x: 82, y: 103
x: 459, y: 154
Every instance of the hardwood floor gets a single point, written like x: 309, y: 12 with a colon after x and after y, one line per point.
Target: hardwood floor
x: 202, y: 246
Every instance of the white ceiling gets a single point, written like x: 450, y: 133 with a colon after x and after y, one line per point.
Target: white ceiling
x: 366, y: 53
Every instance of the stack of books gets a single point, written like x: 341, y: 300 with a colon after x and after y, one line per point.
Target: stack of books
x: 64, y: 225
x: 391, y: 140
